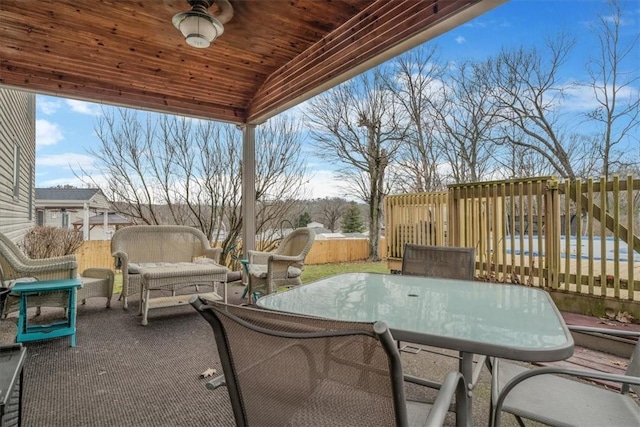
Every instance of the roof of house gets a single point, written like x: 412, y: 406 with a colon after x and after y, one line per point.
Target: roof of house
x: 112, y: 219
x: 62, y: 198
x: 75, y: 194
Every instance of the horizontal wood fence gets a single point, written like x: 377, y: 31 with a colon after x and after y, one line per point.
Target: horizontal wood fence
x: 97, y: 253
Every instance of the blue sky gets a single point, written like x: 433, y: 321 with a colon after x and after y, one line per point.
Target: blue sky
x: 65, y: 128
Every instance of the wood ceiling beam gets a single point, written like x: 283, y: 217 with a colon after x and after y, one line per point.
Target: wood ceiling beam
x: 385, y: 29
x: 133, y: 98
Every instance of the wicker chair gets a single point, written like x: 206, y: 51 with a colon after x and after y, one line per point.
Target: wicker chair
x: 289, y: 370
x: 269, y: 271
x: 15, y: 265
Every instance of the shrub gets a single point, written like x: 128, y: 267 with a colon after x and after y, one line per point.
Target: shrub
x: 46, y: 242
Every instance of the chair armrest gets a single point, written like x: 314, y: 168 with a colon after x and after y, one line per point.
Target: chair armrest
x: 121, y: 260
x: 283, y: 262
x: 59, y: 260
x: 286, y: 258
x: 258, y: 257
x: 213, y: 253
x: 603, y: 331
x: 578, y: 373
x: 454, y: 381
x: 40, y: 268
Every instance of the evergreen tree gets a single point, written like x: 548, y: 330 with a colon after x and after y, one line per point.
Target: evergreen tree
x: 303, y: 220
x: 352, y: 221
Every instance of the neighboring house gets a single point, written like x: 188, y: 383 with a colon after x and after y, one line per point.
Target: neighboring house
x: 17, y: 162
x: 62, y: 207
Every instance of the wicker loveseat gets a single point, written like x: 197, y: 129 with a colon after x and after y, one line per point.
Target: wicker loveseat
x: 165, y: 258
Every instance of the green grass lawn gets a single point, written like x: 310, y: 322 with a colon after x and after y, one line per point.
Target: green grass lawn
x: 316, y: 272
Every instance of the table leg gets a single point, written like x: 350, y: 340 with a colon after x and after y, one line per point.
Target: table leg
x: 22, y: 317
x: 464, y: 413
x: 72, y: 314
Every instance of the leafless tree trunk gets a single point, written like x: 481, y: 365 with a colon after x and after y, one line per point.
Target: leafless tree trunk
x: 175, y: 170
x: 613, y: 72
x: 358, y: 126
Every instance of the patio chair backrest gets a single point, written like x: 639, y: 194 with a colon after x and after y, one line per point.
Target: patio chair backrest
x: 439, y: 261
x: 10, y: 254
x: 283, y: 369
x: 298, y: 242
x: 14, y: 264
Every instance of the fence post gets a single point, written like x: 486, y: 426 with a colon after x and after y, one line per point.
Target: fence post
x: 552, y: 233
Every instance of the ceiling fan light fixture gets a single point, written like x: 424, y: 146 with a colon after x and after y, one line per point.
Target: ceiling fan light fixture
x: 198, y: 27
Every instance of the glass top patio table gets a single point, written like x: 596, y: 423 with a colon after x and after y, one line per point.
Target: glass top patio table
x: 494, y: 319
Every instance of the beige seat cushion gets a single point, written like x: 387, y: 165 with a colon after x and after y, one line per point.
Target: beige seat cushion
x: 260, y: 271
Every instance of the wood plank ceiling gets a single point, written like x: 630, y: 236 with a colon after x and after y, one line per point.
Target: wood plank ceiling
x: 273, y: 53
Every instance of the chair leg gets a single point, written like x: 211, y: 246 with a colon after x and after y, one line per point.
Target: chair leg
x: 144, y: 304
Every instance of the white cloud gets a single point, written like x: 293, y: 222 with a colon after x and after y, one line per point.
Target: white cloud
x: 61, y: 169
x: 67, y: 160
x: 323, y: 184
x: 84, y: 107
x: 47, y: 133
x: 47, y: 106
x: 460, y: 40
x: 582, y: 97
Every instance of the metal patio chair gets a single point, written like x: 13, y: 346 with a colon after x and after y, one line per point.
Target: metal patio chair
x: 548, y: 395
x: 289, y: 370
x: 439, y: 261
x: 444, y: 262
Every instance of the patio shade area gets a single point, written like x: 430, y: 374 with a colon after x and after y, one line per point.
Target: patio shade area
x: 272, y: 55
x: 121, y: 373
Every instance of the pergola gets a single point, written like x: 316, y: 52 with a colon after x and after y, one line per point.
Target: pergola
x: 274, y: 54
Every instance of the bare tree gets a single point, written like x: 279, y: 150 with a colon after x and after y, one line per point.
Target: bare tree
x: 330, y: 211
x: 358, y: 125
x: 175, y: 170
x: 613, y: 72
x: 466, y: 115
x: 525, y: 85
x: 515, y: 161
x: 413, y: 81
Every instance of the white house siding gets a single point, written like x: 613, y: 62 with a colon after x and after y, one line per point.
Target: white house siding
x: 17, y: 126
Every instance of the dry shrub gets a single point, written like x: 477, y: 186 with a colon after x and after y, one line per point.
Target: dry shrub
x: 46, y: 242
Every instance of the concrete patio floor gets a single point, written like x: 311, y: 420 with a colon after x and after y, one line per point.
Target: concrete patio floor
x: 124, y: 374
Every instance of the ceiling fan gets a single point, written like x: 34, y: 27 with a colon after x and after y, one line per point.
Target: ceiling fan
x: 198, y: 27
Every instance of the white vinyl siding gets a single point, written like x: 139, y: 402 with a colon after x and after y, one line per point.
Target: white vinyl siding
x: 17, y: 160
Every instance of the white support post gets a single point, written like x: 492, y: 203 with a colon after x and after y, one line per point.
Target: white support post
x: 248, y: 188
x: 105, y: 224
x: 85, y: 222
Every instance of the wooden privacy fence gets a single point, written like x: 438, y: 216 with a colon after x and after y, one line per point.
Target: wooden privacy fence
x: 575, y: 236
x: 97, y: 253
